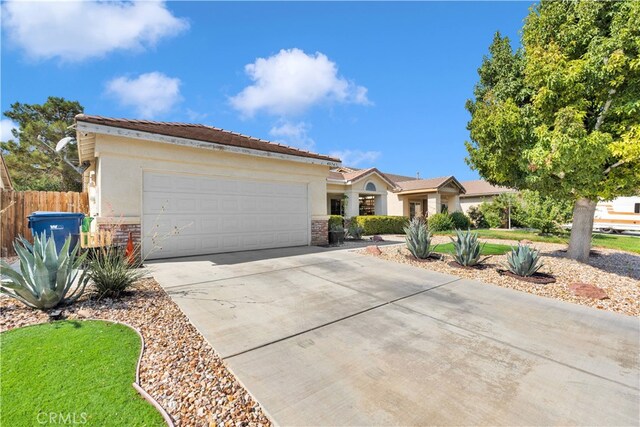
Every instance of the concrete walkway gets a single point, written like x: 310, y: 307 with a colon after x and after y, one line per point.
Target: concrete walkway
x: 325, y: 337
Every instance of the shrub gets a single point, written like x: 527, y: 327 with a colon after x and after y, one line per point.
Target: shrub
x: 523, y: 261
x: 111, y: 272
x: 477, y: 218
x: 355, y: 231
x: 418, y: 239
x: 440, y: 222
x: 543, y: 213
x: 45, y: 277
x: 460, y: 221
x: 335, y: 221
x: 379, y: 224
x: 497, y: 212
x: 467, y: 248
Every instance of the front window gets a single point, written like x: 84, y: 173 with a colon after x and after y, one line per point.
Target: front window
x: 370, y: 186
x: 368, y: 205
x: 637, y: 208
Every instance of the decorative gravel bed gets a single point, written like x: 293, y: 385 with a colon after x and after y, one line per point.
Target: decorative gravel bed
x: 179, y: 368
x: 616, y: 272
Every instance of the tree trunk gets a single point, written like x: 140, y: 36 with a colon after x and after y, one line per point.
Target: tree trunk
x: 581, y: 230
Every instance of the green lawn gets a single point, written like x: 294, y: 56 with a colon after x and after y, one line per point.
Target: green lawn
x: 611, y: 241
x: 487, y: 249
x: 82, y: 371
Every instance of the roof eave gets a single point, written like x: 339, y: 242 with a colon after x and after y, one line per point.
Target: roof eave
x: 88, y: 127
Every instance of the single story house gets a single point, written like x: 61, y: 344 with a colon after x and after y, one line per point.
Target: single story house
x: 185, y: 189
x: 352, y: 192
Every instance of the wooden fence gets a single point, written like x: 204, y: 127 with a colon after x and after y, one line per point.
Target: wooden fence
x: 16, y: 206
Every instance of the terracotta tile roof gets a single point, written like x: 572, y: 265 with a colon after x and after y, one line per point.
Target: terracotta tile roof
x: 202, y: 133
x: 480, y: 187
x: 423, y: 184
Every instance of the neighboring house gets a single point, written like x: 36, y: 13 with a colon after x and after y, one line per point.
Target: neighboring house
x: 5, y: 178
x: 479, y: 191
x: 209, y: 189
x: 352, y: 192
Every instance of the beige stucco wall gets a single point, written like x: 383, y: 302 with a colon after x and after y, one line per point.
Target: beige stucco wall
x: 399, y: 205
x: 357, y: 189
x: 122, y: 161
x: 395, y: 205
x: 467, y: 202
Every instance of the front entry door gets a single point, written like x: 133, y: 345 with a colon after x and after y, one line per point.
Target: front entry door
x: 415, y: 209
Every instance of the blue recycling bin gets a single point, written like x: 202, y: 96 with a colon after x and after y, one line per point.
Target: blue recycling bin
x: 57, y: 224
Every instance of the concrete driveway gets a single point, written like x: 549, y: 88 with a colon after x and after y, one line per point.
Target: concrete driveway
x: 324, y: 337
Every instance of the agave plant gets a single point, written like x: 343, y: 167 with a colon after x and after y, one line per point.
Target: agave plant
x: 45, y: 277
x: 467, y: 247
x: 355, y: 231
x: 523, y: 260
x: 112, y: 273
x: 418, y: 239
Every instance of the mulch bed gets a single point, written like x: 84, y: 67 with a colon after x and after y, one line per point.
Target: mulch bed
x: 536, y: 278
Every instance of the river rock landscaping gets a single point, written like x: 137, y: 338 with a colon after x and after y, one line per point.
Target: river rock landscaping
x: 179, y: 368
x: 615, y: 273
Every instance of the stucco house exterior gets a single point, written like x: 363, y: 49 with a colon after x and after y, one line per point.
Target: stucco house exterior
x: 352, y: 192
x: 210, y: 190
x: 184, y: 189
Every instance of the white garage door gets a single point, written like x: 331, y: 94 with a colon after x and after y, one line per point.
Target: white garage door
x: 205, y: 215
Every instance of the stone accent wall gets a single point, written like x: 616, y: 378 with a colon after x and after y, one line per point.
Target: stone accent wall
x: 320, y: 232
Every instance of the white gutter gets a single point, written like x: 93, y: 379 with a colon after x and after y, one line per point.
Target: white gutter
x: 185, y: 142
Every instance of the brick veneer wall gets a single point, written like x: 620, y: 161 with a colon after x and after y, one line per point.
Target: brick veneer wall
x: 120, y: 235
x: 320, y: 232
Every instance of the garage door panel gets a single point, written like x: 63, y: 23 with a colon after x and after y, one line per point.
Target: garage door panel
x: 209, y: 215
x: 157, y: 182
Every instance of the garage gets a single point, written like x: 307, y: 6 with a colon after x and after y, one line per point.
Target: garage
x: 191, y: 215
x: 181, y: 189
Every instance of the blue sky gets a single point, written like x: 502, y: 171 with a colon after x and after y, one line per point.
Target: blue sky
x: 381, y: 84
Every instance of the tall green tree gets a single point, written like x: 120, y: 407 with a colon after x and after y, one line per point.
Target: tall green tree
x: 561, y: 115
x: 31, y: 157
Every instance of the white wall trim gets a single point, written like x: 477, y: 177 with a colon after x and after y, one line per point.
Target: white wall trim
x: 148, y: 136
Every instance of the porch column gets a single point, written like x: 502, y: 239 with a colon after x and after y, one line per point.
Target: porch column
x: 381, y: 205
x: 353, y: 204
x: 454, y: 203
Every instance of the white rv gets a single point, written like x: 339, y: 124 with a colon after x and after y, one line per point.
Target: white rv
x: 618, y: 215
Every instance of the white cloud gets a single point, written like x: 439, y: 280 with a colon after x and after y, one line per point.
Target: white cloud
x: 294, y: 134
x: 76, y: 30
x: 149, y: 94
x: 6, y: 125
x: 291, y: 81
x: 356, y: 157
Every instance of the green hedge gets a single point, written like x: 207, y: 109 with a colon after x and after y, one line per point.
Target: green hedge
x: 380, y: 224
